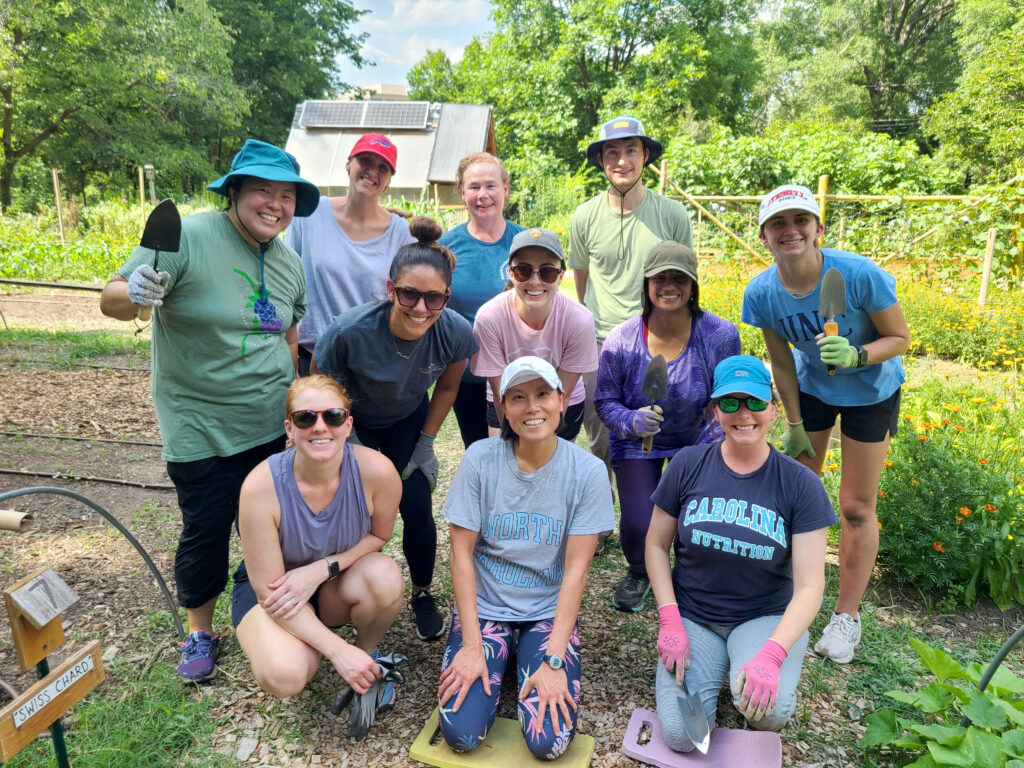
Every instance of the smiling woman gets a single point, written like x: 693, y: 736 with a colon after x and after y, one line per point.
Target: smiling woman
x: 387, y: 355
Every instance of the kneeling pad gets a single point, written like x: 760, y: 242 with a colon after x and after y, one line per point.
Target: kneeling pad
x: 504, y: 746
x: 729, y: 748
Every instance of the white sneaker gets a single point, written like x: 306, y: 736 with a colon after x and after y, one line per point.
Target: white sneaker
x: 839, y: 638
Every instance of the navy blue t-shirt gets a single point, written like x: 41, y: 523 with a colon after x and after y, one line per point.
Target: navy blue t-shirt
x: 733, y: 542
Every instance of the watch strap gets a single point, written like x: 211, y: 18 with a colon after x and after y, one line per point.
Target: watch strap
x: 333, y: 569
x: 553, y: 661
x: 862, y: 357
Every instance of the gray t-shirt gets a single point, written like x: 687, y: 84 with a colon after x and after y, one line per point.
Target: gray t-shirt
x: 523, y: 519
x: 340, y: 272
x: 386, y: 378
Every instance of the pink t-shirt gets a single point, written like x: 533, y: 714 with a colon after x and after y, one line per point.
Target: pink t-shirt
x: 568, y: 340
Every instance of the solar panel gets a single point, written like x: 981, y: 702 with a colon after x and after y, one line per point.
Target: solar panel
x: 396, y: 114
x: 332, y: 114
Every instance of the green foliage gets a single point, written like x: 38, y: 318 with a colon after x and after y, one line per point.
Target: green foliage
x: 994, y: 737
x: 951, y: 503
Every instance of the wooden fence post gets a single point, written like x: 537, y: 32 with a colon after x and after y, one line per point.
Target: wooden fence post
x: 142, y: 197
x: 822, y: 199
x: 60, y: 212
x: 986, y: 271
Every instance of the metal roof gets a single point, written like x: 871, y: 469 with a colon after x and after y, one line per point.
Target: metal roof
x: 461, y: 129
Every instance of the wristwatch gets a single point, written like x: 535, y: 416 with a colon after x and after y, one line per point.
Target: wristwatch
x: 555, y: 662
x: 333, y: 569
x: 862, y: 357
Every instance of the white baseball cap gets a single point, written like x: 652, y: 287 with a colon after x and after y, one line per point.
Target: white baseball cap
x: 788, y: 197
x: 527, y: 369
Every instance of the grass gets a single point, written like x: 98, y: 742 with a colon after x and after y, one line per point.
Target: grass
x: 143, y: 720
x: 64, y: 348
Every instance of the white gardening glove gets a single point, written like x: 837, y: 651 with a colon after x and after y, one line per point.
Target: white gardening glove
x: 146, y: 286
x: 424, y: 459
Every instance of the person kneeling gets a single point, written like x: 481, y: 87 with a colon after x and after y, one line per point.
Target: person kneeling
x: 525, y: 510
x: 312, y: 521
x: 749, y: 526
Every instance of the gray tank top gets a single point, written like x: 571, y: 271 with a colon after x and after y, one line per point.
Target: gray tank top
x: 306, y: 534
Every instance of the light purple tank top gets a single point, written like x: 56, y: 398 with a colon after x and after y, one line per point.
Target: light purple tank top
x: 307, y: 534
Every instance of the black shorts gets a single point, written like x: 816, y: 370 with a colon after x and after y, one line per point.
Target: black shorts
x: 572, y: 420
x: 864, y: 423
x: 244, y: 599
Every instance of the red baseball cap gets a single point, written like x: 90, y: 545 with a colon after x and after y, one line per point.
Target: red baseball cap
x: 379, y: 145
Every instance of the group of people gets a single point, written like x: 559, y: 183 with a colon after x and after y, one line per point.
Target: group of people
x: 354, y: 335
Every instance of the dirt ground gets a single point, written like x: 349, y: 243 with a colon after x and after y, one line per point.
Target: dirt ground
x: 121, y: 605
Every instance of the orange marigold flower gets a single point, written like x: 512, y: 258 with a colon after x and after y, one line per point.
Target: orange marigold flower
x: 879, y: 525
x: 888, y: 462
x: 959, y: 519
x: 938, y: 547
x: 881, y: 494
x: 946, y: 421
x: 990, y: 508
x: 922, y: 437
x: 915, y: 482
x: 959, y: 428
x: 983, y: 461
x: 965, y: 510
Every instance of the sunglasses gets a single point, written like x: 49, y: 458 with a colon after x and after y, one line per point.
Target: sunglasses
x: 333, y: 417
x: 732, y: 404
x: 523, y: 272
x: 410, y: 297
x: 666, y: 277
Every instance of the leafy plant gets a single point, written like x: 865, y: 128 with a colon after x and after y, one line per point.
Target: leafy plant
x: 994, y: 736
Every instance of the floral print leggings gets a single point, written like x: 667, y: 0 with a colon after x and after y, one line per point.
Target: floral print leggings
x: 466, y: 729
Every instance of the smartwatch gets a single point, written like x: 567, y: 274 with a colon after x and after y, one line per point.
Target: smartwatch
x: 862, y: 357
x: 555, y: 662
x: 333, y: 569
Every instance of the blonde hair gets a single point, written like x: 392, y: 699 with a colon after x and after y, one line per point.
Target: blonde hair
x: 480, y: 157
x: 315, y: 381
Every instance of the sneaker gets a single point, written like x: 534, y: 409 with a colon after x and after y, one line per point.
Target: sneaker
x: 631, y: 592
x: 602, y: 539
x: 429, y: 623
x: 198, y: 656
x: 839, y: 638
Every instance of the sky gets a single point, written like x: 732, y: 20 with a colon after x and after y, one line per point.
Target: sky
x: 401, y: 31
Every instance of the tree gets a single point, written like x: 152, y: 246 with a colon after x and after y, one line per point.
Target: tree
x: 111, y: 70
x: 434, y: 78
x: 284, y: 52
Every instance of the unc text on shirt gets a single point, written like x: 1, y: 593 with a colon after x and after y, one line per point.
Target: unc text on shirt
x: 734, y: 512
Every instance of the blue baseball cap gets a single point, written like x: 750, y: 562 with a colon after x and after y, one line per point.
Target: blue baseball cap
x: 623, y: 127
x: 527, y: 369
x: 265, y: 161
x: 742, y: 375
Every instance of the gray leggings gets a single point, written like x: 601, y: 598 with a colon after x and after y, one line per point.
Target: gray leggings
x: 716, y: 655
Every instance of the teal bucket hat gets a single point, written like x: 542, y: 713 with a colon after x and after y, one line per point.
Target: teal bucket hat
x: 265, y: 161
x: 623, y: 127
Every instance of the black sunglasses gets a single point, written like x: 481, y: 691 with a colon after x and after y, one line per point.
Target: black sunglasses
x: 333, y: 417
x: 732, y: 404
x: 410, y: 297
x: 523, y: 272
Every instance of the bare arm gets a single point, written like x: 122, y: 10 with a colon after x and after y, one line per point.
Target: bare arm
x: 893, y: 335
x: 569, y: 380
x: 445, y: 390
x: 660, y: 535
x: 784, y: 372
x: 114, y: 301
x: 495, y: 384
x: 580, y: 277
x: 808, y: 587
x: 291, y: 336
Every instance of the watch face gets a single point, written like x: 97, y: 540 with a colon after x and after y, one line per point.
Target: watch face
x: 555, y: 662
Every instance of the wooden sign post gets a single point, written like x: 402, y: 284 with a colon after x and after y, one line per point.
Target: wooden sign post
x: 34, y: 607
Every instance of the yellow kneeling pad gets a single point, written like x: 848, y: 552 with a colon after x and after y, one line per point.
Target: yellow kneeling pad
x: 504, y: 746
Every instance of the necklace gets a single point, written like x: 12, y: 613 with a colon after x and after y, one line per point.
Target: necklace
x: 650, y: 345
x: 402, y: 354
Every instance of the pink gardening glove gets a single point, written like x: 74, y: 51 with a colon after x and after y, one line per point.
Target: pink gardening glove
x: 757, y: 684
x: 673, y: 642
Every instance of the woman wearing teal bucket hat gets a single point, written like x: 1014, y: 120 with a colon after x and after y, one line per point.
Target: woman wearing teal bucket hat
x: 226, y: 305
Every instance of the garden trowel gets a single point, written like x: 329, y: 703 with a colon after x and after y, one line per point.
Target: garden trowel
x: 162, y: 233
x: 832, y: 303
x: 695, y: 722
x: 654, y: 386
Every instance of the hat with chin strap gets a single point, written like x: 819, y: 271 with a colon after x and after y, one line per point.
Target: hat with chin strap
x: 265, y: 161
x: 623, y: 127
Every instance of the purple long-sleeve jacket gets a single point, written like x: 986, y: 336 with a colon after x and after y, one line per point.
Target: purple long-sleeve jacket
x: 620, y: 374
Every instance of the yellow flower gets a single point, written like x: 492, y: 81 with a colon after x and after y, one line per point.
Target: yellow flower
x: 888, y: 462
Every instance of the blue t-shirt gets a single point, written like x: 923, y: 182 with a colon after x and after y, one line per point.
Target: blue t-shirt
x: 480, y: 273
x: 734, y: 537
x: 386, y: 378
x: 524, y: 521
x: 869, y: 289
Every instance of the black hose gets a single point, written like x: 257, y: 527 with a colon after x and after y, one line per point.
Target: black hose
x: 996, y: 661
x: 127, y: 534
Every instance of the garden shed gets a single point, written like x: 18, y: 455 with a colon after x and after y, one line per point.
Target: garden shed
x: 431, y: 139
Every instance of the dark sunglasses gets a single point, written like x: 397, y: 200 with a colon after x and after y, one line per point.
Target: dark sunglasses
x: 523, y: 272
x: 410, y: 297
x: 333, y: 417
x: 732, y: 404
x: 666, y: 277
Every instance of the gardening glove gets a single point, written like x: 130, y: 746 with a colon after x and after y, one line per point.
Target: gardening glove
x: 836, y: 350
x: 647, y: 420
x: 757, y: 683
x: 146, y: 286
x: 424, y: 459
x: 366, y: 705
x: 795, y: 441
x: 673, y: 642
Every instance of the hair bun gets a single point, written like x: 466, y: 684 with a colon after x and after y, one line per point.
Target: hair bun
x: 425, y: 230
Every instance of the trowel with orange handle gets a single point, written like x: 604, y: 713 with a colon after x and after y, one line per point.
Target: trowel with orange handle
x: 832, y: 303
